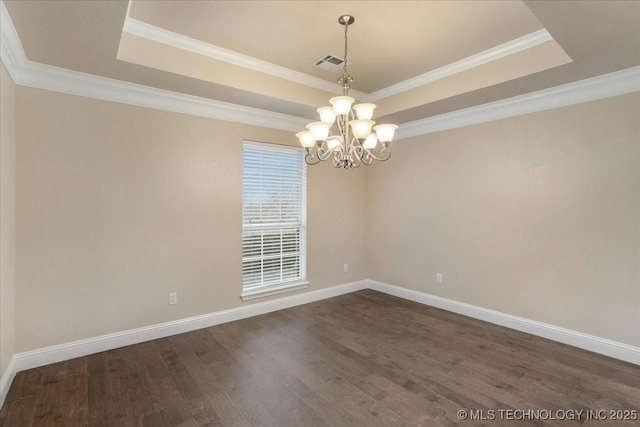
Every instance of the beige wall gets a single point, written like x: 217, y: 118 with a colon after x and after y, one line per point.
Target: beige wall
x: 7, y: 219
x: 537, y: 216
x: 119, y: 205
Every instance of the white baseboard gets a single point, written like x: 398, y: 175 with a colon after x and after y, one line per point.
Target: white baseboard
x: 57, y: 353
x: 592, y: 343
x: 7, y: 379
x: 44, y: 356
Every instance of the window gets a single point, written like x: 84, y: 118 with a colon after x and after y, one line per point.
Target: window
x: 273, y: 219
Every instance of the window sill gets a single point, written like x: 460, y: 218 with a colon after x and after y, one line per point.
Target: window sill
x: 273, y: 290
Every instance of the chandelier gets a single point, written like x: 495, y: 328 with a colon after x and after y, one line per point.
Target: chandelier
x: 346, y: 134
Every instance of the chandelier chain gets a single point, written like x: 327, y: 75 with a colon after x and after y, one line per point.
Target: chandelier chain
x: 346, y: 80
x: 346, y: 52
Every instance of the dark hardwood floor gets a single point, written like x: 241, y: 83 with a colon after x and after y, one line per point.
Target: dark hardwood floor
x: 362, y: 359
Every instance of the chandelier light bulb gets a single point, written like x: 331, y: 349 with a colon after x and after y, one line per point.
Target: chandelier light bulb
x: 385, y: 132
x: 341, y: 104
x: 371, y: 142
x: 334, y: 142
x: 306, y: 139
x: 361, y: 128
x: 319, y: 130
x: 327, y: 115
x: 364, y: 111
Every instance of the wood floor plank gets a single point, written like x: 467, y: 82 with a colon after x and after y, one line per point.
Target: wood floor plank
x: 389, y: 357
x: 19, y: 412
x: 268, y: 374
x: 264, y: 355
x: 63, y: 400
x: 214, y: 399
x: 167, y: 392
x: 347, y: 396
x: 98, y: 390
x: 361, y: 359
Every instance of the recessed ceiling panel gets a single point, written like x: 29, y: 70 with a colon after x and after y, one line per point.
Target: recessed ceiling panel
x: 238, y: 47
x: 392, y: 45
x: 389, y: 42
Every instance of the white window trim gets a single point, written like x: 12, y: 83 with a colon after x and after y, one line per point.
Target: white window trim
x: 297, y: 284
x: 266, y: 291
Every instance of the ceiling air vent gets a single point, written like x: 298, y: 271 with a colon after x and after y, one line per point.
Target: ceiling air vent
x: 329, y: 63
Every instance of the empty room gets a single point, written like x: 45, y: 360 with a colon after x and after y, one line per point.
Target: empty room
x: 319, y: 213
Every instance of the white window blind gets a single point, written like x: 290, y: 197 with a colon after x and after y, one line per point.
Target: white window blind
x: 273, y: 216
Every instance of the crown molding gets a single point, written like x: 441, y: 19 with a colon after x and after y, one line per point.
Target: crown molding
x: 56, y: 79
x: 169, y: 38
x: 509, y: 48
x: 160, y: 35
x: 604, y: 86
x: 47, y: 77
x: 11, y: 51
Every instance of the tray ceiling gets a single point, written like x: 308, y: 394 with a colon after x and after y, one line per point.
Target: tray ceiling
x: 416, y: 59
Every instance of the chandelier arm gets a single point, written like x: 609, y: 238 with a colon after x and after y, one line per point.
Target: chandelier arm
x: 386, y: 154
x: 364, y: 156
x: 323, y: 154
x: 308, y: 159
x: 355, y: 153
x: 356, y: 148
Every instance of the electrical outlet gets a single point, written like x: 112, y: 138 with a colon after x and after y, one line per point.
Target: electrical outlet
x: 438, y: 277
x: 173, y: 298
x: 345, y: 268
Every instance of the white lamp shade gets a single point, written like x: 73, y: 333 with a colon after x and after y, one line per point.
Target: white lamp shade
x: 371, y: 142
x: 385, y: 132
x: 327, y: 115
x: 364, y: 111
x: 319, y: 130
x: 334, y: 142
x: 361, y: 128
x: 306, y: 139
x: 341, y: 104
